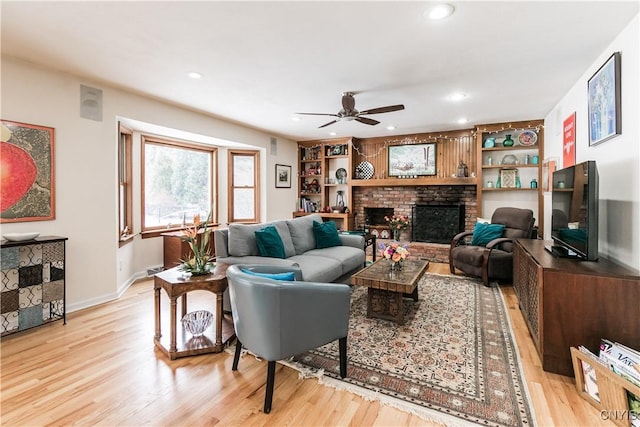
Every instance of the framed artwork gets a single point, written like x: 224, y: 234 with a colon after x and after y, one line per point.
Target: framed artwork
x: 27, y: 166
x: 283, y: 176
x: 412, y: 160
x: 548, y: 168
x: 569, y: 141
x: 605, y: 117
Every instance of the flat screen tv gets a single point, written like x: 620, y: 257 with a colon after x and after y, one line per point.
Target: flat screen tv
x: 574, y: 212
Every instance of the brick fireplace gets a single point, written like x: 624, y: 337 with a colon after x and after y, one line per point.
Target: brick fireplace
x: 403, y: 199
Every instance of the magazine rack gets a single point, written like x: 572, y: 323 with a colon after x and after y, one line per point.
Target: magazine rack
x: 612, y: 390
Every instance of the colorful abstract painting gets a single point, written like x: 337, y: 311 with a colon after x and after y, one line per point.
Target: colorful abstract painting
x: 26, y: 171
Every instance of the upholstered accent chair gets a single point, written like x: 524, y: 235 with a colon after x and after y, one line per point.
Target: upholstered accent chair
x: 493, y: 260
x: 277, y: 319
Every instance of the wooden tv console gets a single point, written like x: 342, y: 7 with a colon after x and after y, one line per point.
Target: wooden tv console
x: 567, y: 303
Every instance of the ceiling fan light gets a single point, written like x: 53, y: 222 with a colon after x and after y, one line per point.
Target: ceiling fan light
x: 348, y: 118
x: 439, y: 11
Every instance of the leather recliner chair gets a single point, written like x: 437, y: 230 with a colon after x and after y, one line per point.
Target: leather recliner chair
x: 495, y: 261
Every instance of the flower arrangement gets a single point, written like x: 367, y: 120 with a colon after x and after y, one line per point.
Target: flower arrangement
x: 395, y: 252
x: 200, y: 261
x: 397, y: 223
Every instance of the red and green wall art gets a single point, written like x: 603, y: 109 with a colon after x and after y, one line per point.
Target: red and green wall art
x: 26, y: 172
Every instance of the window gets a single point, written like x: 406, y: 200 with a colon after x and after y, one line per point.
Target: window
x: 125, y: 190
x: 244, y: 197
x: 178, y: 181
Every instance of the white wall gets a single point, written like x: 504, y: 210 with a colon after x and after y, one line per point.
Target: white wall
x: 85, y: 173
x: 618, y: 159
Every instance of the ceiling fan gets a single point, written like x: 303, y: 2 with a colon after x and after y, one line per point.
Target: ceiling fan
x: 349, y: 112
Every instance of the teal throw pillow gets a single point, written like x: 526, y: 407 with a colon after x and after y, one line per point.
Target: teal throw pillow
x: 288, y: 276
x: 269, y: 242
x: 484, y: 233
x: 326, y: 234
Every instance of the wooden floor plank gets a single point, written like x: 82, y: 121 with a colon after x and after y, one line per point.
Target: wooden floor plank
x: 102, y: 369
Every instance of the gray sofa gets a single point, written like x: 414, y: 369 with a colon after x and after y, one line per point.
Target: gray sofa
x: 237, y: 245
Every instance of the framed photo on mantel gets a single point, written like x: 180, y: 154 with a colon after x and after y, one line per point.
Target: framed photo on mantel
x: 412, y: 159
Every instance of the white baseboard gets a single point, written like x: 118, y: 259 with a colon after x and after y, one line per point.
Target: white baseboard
x: 81, y: 305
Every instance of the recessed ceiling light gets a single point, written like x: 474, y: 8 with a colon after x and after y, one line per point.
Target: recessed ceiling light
x: 195, y: 75
x: 332, y: 133
x: 296, y: 118
x: 439, y: 11
x: 391, y: 127
x: 462, y: 121
x: 458, y: 96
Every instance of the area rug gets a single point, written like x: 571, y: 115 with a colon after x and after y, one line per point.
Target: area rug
x: 453, y: 361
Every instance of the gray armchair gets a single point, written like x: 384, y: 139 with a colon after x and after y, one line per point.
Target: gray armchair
x: 279, y: 319
x: 495, y: 261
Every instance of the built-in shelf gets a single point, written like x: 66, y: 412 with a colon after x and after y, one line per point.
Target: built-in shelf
x: 399, y: 182
x: 513, y: 147
x: 517, y: 166
x: 509, y: 189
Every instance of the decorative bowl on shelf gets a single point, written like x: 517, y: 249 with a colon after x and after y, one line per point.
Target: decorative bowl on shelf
x: 20, y: 237
x: 197, y: 322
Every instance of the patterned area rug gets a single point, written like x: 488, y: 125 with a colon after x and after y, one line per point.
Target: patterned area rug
x: 454, y: 360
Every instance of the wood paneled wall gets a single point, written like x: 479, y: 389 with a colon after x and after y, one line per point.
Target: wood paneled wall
x: 452, y: 147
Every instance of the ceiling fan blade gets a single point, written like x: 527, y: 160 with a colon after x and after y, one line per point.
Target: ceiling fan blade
x: 367, y: 121
x: 327, y: 124
x: 348, y: 101
x: 387, y: 109
x: 318, y: 114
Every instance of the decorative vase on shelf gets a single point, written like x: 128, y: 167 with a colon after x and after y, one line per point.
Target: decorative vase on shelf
x: 396, y: 235
x: 508, y: 142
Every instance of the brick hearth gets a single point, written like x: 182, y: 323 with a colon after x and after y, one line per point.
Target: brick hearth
x: 401, y: 199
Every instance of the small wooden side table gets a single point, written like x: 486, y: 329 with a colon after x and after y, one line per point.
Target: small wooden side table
x: 181, y: 343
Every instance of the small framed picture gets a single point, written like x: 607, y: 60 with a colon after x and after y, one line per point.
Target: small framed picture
x: 605, y: 116
x: 283, y: 176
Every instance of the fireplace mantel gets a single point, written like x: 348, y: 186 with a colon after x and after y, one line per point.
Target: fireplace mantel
x: 397, y: 182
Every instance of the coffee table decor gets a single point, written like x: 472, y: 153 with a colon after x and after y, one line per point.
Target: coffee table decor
x: 395, y: 253
x: 454, y: 360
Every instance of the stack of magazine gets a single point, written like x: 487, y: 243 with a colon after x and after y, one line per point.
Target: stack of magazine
x: 622, y: 360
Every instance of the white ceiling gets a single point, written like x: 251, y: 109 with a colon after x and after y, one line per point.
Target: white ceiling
x: 263, y: 61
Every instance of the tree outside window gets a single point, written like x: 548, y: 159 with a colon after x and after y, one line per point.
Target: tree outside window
x: 178, y: 183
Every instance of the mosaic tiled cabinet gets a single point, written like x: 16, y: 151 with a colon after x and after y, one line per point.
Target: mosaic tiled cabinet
x: 33, y: 283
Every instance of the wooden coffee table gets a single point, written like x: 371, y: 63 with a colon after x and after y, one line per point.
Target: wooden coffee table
x: 180, y: 343
x: 387, y: 288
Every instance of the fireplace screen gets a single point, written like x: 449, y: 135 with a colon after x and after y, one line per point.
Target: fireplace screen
x: 436, y: 223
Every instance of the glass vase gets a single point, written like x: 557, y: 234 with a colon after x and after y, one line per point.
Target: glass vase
x: 508, y: 142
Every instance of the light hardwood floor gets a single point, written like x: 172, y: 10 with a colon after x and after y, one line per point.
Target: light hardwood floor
x: 102, y: 369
